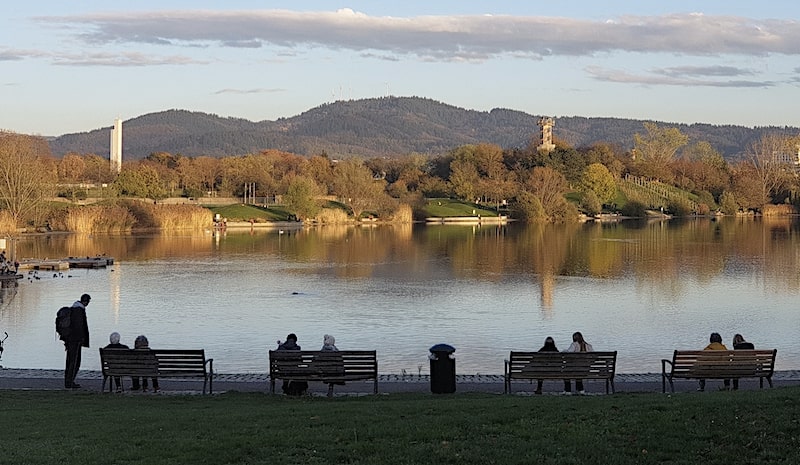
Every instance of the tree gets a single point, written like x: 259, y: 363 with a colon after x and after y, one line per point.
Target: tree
x: 354, y: 185
x: 598, y: 179
x: 27, y: 174
x: 301, y: 197
x: 655, y: 150
x: 71, y: 167
x: 140, y: 180
x: 549, y: 187
x: 765, y: 160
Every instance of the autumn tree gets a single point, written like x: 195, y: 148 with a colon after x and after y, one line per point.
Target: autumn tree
x: 27, y: 174
x: 766, y: 163
x: 140, y: 180
x: 301, y: 197
x: 702, y: 168
x: 355, y: 186
x: 464, y: 176
x: 598, y: 180
x: 655, y: 150
x: 71, y: 168
x: 548, y: 186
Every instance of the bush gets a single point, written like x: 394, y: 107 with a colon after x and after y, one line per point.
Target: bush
x: 591, y: 204
x: 634, y: 209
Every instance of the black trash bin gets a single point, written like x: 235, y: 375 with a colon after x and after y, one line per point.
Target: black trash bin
x: 443, y: 369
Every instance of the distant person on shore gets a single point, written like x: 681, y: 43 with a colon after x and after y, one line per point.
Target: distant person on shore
x: 715, y: 343
x: 141, y: 343
x: 292, y: 388
x: 77, y: 338
x: 549, y: 346
x: 114, y: 343
x: 579, y: 344
x: 740, y: 344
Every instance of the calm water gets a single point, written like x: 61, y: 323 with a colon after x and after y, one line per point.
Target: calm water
x: 643, y: 289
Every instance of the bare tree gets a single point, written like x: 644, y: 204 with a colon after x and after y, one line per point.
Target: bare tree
x: 27, y: 174
x: 767, y: 161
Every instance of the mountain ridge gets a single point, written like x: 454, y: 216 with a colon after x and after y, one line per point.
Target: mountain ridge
x: 375, y: 127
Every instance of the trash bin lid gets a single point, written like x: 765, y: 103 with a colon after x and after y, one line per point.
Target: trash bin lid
x: 446, y: 348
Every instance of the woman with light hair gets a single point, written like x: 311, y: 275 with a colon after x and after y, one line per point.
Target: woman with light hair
x: 328, y: 344
x: 113, y: 339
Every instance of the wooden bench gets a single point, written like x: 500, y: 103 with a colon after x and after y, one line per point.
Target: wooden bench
x: 718, y: 364
x: 157, y: 363
x: 328, y: 367
x: 560, y: 365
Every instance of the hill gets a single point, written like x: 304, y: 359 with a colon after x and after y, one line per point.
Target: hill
x: 388, y: 126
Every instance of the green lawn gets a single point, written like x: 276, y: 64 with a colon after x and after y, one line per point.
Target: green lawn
x: 759, y: 426
x: 449, y: 207
x: 239, y: 212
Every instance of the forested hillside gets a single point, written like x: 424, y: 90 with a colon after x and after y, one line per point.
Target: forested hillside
x: 376, y: 127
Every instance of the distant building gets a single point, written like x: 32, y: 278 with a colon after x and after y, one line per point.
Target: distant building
x: 788, y: 158
x: 116, y: 146
x: 546, y: 134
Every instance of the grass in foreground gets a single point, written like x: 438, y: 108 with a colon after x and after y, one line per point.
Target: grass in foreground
x: 237, y: 428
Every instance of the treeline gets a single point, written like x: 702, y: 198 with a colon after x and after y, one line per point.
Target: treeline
x: 533, y: 184
x: 378, y: 127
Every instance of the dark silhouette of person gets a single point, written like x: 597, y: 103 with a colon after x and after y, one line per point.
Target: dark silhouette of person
x: 740, y: 344
x: 77, y: 338
x: 549, y: 346
x: 292, y: 388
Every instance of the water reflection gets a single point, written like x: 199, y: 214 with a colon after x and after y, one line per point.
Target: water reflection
x: 643, y: 288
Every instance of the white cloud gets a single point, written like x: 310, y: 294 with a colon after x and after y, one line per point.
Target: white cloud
x: 669, y: 79
x: 469, y: 37
x: 248, y: 91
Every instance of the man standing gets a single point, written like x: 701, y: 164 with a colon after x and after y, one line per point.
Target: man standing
x: 77, y: 338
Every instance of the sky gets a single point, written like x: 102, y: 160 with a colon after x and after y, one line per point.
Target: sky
x: 75, y: 66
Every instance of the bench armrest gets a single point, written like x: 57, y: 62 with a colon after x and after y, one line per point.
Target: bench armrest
x: 664, y: 363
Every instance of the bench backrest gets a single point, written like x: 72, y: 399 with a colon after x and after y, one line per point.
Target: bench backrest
x: 128, y: 362
x: 732, y: 363
x: 566, y: 364
x: 153, y: 362
x: 178, y: 362
x: 350, y: 363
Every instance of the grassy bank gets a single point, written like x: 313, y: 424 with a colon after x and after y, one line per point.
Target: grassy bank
x: 711, y: 428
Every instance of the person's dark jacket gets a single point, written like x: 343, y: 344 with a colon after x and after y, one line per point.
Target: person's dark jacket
x: 289, y: 345
x: 79, y: 327
x: 744, y: 346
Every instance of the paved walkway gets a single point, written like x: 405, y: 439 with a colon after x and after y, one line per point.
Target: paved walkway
x: 32, y: 379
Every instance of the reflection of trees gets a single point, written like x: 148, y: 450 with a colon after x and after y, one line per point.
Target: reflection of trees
x: 664, y: 256
x: 546, y: 249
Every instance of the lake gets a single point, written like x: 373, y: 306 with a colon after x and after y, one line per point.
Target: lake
x: 641, y: 288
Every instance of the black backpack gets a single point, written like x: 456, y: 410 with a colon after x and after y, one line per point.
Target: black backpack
x: 63, y: 322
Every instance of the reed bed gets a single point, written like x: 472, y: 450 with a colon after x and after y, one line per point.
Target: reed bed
x: 7, y: 225
x: 170, y: 217
x: 125, y: 216
x: 332, y: 216
x: 403, y: 214
x: 94, y: 219
x: 778, y: 210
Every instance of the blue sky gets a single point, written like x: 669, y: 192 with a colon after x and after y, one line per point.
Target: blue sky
x: 75, y: 66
